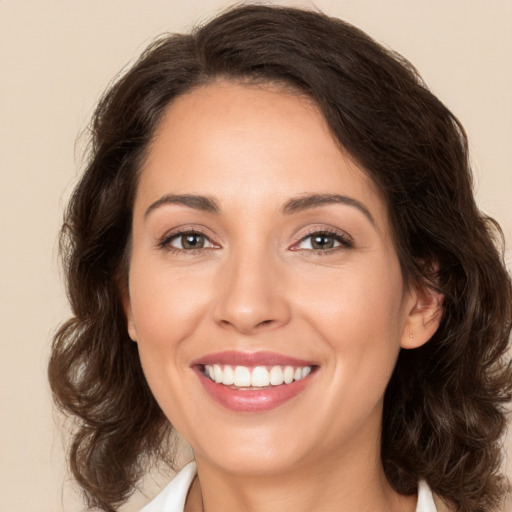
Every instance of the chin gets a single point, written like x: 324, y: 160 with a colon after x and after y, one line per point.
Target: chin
x: 267, y: 447
x: 255, y: 459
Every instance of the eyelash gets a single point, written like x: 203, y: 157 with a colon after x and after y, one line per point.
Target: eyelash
x: 344, y: 240
x: 165, y: 242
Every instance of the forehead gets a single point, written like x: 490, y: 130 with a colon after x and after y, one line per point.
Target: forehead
x: 234, y: 141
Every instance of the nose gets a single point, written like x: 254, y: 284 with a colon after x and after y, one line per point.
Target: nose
x: 251, y: 294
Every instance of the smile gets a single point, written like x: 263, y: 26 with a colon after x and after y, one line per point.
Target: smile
x: 257, y: 377
x: 264, y: 382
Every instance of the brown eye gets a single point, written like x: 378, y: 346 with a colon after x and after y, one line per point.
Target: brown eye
x: 188, y: 241
x: 192, y: 241
x: 321, y: 241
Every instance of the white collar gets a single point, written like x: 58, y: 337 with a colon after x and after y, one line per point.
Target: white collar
x: 425, y: 498
x: 173, y: 496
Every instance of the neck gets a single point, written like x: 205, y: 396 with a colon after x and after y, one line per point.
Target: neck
x: 350, y: 481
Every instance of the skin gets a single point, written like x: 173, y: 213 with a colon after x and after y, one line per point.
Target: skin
x: 258, y: 285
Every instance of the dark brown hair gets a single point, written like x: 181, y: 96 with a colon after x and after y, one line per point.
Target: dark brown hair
x: 444, y: 407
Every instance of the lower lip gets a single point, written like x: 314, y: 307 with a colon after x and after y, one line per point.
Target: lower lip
x: 259, y: 400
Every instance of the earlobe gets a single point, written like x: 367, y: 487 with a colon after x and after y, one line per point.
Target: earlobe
x: 425, y: 310
x: 131, y: 329
x: 130, y: 324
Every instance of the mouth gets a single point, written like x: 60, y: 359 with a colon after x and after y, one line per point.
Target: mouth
x: 253, y: 382
x: 246, y: 377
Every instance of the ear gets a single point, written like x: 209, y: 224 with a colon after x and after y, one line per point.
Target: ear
x: 424, y: 310
x: 128, y: 313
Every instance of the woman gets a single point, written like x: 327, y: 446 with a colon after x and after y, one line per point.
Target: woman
x: 275, y: 251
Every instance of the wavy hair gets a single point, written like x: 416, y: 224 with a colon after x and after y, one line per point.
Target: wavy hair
x: 444, y: 409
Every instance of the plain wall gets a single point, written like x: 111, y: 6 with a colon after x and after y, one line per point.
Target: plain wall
x: 57, y: 56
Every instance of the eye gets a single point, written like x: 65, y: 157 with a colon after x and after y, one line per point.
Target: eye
x: 323, y: 241
x: 186, y: 241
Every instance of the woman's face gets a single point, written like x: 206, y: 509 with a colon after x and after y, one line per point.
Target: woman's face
x: 265, y: 293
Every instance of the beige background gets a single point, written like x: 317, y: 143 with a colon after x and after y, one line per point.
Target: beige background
x: 57, y: 56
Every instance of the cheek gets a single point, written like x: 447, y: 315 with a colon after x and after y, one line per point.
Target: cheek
x: 361, y: 332
x: 165, y: 307
x: 166, y: 310
x: 359, y: 316
x: 355, y: 302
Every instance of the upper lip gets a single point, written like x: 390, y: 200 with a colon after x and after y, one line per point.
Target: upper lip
x: 261, y: 358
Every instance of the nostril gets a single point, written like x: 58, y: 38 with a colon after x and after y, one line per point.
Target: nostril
x: 256, y: 326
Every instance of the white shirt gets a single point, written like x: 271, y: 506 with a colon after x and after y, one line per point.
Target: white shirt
x: 172, y: 498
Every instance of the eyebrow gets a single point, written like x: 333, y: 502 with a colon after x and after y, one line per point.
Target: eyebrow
x: 315, y: 200
x: 203, y: 203
x: 294, y: 205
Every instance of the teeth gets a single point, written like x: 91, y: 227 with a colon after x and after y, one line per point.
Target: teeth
x: 260, y: 378
x: 228, y: 377
x: 242, y: 377
x: 276, y: 376
x: 217, y: 373
x: 288, y: 375
x: 257, y: 377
